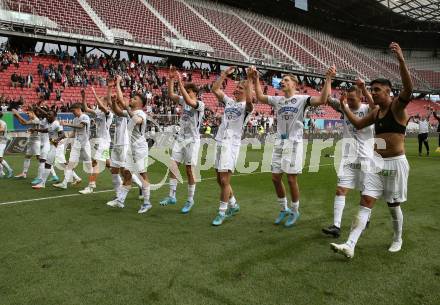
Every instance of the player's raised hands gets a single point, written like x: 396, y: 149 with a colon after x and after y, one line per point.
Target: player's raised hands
x: 83, y: 94
x: 229, y: 70
x: 172, y: 73
x: 360, y: 83
x: 252, y: 72
x: 396, y: 50
x: 331, y: 72
x: 343, y: 96
x: 118, y: 79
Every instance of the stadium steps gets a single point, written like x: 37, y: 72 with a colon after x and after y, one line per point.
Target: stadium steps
x: 99, y: 23
x: 220, y: 33
x: 265, y: 38
x: 162, y: 19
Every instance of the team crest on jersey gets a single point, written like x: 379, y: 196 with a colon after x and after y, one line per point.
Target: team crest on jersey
x: 232, y: 114
x: 287, y: 112
x: 187, y: 115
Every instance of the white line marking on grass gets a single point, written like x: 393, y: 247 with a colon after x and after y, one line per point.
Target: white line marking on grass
x: 111, y: 190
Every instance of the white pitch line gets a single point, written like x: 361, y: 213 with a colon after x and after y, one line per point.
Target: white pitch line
x: 112, y: 190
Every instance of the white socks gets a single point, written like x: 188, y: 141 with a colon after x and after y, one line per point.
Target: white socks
x: 294, y: 206
x: 40, y: 170
x: 222, y: 208
x: 173, y: 188
x: 232, y: 202
x: 191, y: 191
x: 123, y: 191
x: 396, y: 214
x: 46, y: 173
x: 338, y: 209
x: 146, y: 194
x: 283, y: 203
x: 26, y: 164
x: 358, y: 226
x: 68, y: 174
x: 75, y: 176
x: 117, y: 181
x: 52, y: 171
x: 136, y: 180
x: 6, y: 165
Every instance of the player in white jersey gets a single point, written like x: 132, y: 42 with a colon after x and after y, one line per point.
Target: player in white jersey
x: 120, y: 139
x: 186, y: 147
x: 55, y: 156
x: 80, y: 149
x: 287, y: 154
x: 44, y: 146
x: 33, y: 142
x: 356, y: 153
x: 228, y: 140
x: 137, y: 153
x: 3, y: 142
x: 103, y: 120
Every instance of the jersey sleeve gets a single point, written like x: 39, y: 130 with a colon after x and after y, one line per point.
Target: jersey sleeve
x: 181, y: 101
x: 200, y: 106
x: 226, y: 100
x: 273, y: 100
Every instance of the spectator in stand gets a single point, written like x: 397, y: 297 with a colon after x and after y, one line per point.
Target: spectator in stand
x: 58, y: 94
x: 14, y: 80
x: 29, y: 60
x: 29, y: 80
x: 21, y: 80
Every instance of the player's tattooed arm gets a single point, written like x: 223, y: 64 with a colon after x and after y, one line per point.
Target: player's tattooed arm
x: 216, y: 87
x: 357, y: 122
x: 326, y: 89
x: 171, y: 79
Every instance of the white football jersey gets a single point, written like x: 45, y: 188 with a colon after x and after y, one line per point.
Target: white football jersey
x: 234, y: 119
x: 120, y: 137
x: 103, y: 122
x: 44, y: 136
x: 190, y: 120
x: 290, y: 115
x: 363, y: 137
x: 82, y: 134
x: 35, y: 124
x: 3, y: 134
x: 137, y: 131
x: 54, y: 128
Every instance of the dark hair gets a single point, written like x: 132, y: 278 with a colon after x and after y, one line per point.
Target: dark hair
x: 142, y: 98
x: 76, y: 106
x: 355, y: 89
x: 192, y: 87
x: 381, y: 81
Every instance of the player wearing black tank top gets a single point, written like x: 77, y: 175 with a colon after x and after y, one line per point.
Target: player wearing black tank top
x: 390, y: 120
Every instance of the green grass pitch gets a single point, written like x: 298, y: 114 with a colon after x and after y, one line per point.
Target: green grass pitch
x: 76, y: 250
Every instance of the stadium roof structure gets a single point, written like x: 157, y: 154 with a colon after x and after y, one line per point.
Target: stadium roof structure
x: 420, y: 10
x: 414, y: 24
